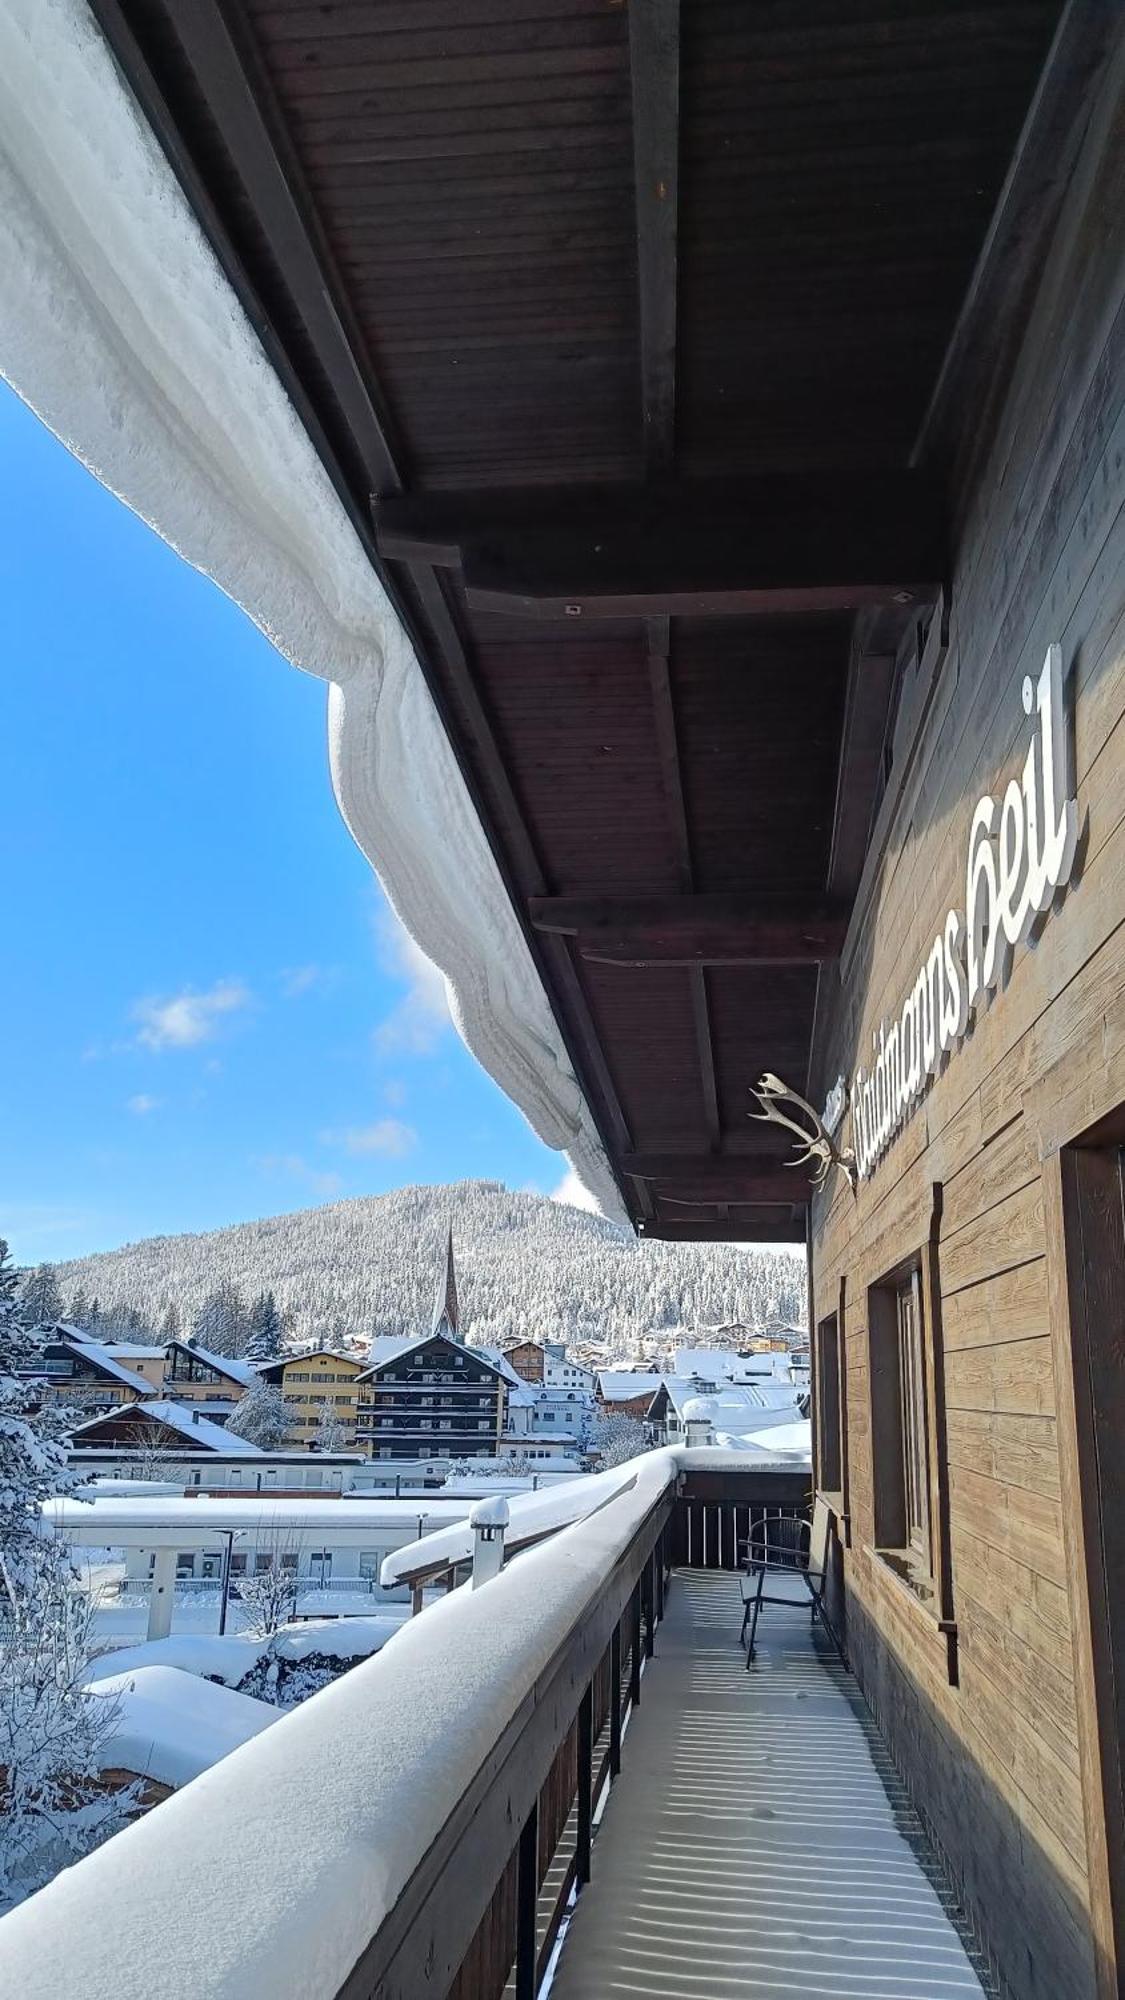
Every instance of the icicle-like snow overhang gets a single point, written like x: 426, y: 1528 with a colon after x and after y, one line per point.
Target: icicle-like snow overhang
x: 118, y: 327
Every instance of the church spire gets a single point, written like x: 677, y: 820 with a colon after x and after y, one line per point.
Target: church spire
x: 447, y: 1312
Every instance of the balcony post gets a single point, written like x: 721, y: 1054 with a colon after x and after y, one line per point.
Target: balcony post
x: 585, y: 1802
x: 635, y: 1647
x: 527, y: 1903
x: 648, y: 1602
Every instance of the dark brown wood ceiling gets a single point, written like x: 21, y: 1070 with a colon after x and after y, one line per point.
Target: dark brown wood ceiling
x: 468, y: 231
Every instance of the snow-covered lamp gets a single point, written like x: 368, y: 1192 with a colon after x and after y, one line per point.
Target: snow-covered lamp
x: 488, y: 1521
x: 699, y: 1421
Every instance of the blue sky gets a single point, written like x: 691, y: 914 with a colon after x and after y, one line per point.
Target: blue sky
x: 207, y: 1012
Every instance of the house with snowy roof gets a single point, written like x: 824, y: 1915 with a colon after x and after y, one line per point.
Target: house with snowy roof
x: 168, y: 1726
x: 634, y: 1392
x: 73, y: 1369
x: 434, y: 1396
x: 194, y: 1374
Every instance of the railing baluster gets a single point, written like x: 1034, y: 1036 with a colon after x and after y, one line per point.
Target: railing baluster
x: 635, y: 1647
x: 527, y: 1904
x: 649, y: 1577
x: 585, y: 1786
x: 615, y: 1702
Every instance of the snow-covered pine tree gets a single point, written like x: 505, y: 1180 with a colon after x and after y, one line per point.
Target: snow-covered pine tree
x: 52, y: 1807
x: 260, y: 1416
x: 41, y: 1298
x: 78, y: 1309
x: 170, y: 1324
x: 220, y: 1323
x: 33, y: 1461
x: 263, y: 1339
x: 329, y: 1435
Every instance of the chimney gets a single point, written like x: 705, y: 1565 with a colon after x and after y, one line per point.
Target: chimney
x: 488, y: 1520
x: 699, y: 1422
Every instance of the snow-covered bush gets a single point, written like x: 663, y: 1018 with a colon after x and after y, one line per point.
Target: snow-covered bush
x: 330, y: 1434
x: 54, y: 1806
x: 269, y: 1596
x: 515, y: 1464
x: 614, y: 1439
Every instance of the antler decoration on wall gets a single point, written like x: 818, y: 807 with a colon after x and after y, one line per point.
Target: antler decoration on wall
x: 819, y: 1146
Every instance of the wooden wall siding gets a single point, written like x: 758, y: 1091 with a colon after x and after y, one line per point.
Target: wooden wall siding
x: 994, y: 1763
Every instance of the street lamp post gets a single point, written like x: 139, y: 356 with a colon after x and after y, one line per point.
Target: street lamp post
x: 224, y: 1599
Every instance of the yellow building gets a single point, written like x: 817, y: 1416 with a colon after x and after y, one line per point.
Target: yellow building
x: 308, y: 1383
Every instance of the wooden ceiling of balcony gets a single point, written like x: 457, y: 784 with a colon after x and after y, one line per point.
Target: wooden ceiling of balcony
x: 689, y: 274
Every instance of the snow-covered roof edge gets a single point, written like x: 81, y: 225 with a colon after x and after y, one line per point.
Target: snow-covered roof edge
x: 119, y: 328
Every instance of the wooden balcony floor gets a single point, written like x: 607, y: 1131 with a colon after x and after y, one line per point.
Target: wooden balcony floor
x: 750, y: 1847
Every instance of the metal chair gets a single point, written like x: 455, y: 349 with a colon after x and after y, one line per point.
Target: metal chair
x: 786, y: 1545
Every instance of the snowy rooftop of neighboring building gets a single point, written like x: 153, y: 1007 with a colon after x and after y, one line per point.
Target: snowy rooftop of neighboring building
x: 725, y: 1365
x: 619, y: 1385
x: 227, y: 1364
x: 386, y: 1347
x: 203, y: 1520
x: 186, y: 1424
x: 171, y: 1725
x: 726, y: 1396
x: 102, y: 1357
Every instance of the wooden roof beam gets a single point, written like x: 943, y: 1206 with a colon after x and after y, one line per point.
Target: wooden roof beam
x: 654, y: 59
x: 757, y: 1226
x: 824, y: 542
x: 695, y: 930
x: 714, y: 1178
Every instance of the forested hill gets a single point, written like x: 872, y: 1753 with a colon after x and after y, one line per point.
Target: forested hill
x: 524, y: 1265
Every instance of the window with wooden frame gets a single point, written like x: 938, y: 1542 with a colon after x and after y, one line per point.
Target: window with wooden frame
x: 908, y: 1454
x: 829, y: 1428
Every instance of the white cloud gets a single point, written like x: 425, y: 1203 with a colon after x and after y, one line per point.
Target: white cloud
x: 188, y: 1018
x: 394, y: 1091
x: 298, y: 979
x: 388, y: 1136
x: 422, y: 1016
x: 142, y: 1104
x: 299, y: 1169
x: 571, y: 1191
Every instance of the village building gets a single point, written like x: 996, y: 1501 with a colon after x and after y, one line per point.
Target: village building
x: 193, y: 1374
x: 433, y: 1397
x: 548, y: 1362
x: 88, y: 1374
x: 318, y: 1385
x: 527, y: 1357
x: 175, y: 1444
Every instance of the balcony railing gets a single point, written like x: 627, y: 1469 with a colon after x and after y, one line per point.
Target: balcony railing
x: 422, y: 1825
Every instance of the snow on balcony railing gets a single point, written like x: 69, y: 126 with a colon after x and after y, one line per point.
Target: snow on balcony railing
x: 531, y: 1515
x: 323, y: 1820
